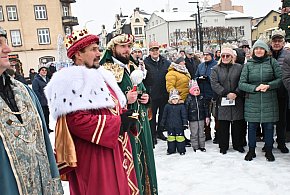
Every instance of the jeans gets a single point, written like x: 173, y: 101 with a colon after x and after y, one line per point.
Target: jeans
x: 268, y: 130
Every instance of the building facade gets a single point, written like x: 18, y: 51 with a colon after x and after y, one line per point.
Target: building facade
x: 33, y: 27
x: 266, y: 25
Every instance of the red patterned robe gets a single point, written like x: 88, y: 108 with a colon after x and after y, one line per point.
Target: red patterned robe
x: 105, y: 163
x: 91, y: 105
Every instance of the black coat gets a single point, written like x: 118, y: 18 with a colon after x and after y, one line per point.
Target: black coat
x: 286, y: 75
x: 156, y: 73
x: 174, y: 116
x: 196, y: 107
x: 38, y: 85
x: 191, y: 65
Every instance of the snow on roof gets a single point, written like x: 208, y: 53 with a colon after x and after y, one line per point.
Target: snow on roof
x: 175, y: 16
x: 235, y: 14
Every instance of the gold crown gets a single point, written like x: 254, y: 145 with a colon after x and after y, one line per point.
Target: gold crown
x: 173, y: 92
x: 227, y: 45
x: 74, y: 37
x: 278, y: 32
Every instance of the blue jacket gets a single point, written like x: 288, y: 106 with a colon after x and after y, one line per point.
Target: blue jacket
x: 204, y: 69
x: 174, y: 116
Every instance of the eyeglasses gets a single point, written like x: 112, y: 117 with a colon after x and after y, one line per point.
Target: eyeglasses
x: 226, y: 56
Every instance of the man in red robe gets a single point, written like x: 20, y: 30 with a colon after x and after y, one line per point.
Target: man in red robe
x: 92, y: 146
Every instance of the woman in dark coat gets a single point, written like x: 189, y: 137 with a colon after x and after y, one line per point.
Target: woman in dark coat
x: 260, y: 79
x: 224, y: 81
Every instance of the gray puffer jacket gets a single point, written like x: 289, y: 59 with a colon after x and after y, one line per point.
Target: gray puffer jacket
x: 225, y: 80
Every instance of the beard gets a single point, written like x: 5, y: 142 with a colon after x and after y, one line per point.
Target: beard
x: 123, y: 59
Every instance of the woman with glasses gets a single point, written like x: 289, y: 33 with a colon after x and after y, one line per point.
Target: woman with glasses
x: 224, y: 81
x: 260, y: 79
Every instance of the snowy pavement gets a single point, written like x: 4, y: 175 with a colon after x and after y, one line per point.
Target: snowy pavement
x: 211, y: 173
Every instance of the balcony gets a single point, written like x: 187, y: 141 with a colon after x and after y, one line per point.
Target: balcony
x: 70, y: 21
x: 67, y: 1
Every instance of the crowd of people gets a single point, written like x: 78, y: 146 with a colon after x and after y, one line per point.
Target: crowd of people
x: 114, y: 106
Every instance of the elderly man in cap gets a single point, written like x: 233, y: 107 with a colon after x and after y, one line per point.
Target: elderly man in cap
x: 279, y: 53
x: 158, y: 66
x: 117, y: 59
x: 27, y: 164
x: 92, y: 146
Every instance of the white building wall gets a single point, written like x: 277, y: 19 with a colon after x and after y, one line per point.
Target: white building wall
x: 209, y: 19
x: 244, y: 22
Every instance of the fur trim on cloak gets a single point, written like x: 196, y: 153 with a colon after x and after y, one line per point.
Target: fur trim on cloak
x: 79, y: 88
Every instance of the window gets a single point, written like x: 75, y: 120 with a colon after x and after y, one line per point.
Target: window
x: 138, y: 30
x: 1, y: 14
x: 156, y: 22
x: 12, y: 13
x: 242, y: 30
x: 265, y: 22
x: 274, y: 18
x: 216, y: 20
x: 137, y: 20
x: 65, y: 10
x: 152, y: 23
x: 43, y: 36
x: 15, y: 38
x: 40, y: 12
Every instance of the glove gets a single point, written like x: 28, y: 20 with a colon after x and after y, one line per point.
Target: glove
x: 127, y: 121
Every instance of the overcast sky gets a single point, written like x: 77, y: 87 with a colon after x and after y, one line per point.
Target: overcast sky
x: 96, y: 13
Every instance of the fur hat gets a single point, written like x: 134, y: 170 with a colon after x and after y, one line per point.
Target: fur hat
x: 122, y: 39
x: 3, y: 32
x: 174, y: 94
x: 78, y: 40
x: 262, y: 44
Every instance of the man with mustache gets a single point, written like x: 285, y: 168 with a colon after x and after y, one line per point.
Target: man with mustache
x: 27, y: 163
x: 93, y: 149
x: 117, y: 60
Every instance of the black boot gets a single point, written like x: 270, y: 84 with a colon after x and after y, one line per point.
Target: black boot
x: 269, y: 155
x: 161, y: 136
x: 250, y: 155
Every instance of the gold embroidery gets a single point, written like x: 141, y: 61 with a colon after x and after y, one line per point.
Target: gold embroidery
x: 102, y: 129
x: 97, y: 128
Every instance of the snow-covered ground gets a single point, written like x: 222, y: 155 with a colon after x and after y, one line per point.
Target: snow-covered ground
x: 211, y: 173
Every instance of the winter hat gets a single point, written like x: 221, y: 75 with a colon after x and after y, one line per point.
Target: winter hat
x: 122, y: 39
x: 180, y: 59
x: 227, y: 49
x: 193, y: 85
x: 262, y: 44
x: 41, y: 66
x: 174, y: 94
x: 78, y: 40
x: 189, y: 51
x: 287, y: 46
x: 207, y: 51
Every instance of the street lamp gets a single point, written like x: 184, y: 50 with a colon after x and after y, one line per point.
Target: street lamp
x: 199, y: 25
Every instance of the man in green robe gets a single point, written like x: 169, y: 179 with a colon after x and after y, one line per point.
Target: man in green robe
x: 117, y: 60
x: 27, y: 163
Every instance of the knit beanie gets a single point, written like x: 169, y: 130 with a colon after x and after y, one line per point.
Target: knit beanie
x: 193, y: 85
x: 227, y: 50
x: 262, y: 44
x: 180, y: 59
